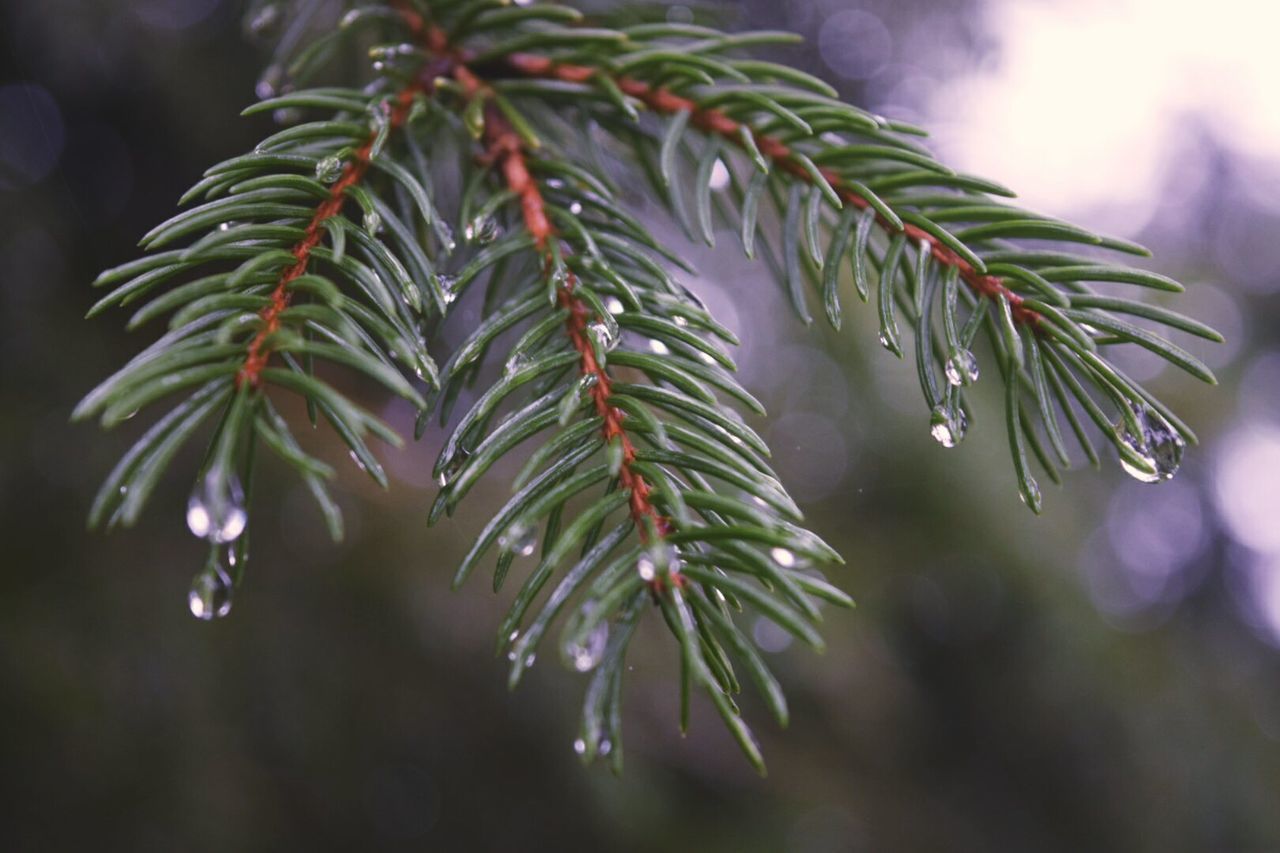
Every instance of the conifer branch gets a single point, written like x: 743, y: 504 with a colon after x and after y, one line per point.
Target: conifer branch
x: 645, y: 486
x: 698, y: 525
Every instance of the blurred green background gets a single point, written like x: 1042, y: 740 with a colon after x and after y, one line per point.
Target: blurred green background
x: 1103, y: 678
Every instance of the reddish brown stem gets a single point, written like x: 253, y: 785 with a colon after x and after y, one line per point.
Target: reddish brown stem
x: 505, y: 150
x: 259, y: 348
x: 715, y: 121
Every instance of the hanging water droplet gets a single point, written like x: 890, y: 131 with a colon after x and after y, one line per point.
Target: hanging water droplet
x: 606, y: 337
x: 482, y: 230
x: 657, y: 347
x: 216, y: 510
x: 372, y: 222
x: 576, y: 208
x: 948, y: 426
x: 287, y: 115
x: 449, y: 288
x: 445, y: 233
x: 329, y: 169
x: 269, y: 83
x: 719, y: 176
x: 962, y: 368
x: 646, y: 568
x: 660, y: 558
x: 614, y: 305
x: 520, y: 538
x: 1157, y: 443
x: 580, y: 746
x: 587, y: 654
x: 210, y: 595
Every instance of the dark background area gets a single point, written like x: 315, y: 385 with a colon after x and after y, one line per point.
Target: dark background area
x: 1102, y: 678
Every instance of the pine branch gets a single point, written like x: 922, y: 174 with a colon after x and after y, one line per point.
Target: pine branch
x: 805, y: 137
x: 644, y: 485
x: 263, y: 227
x: 695, y: 540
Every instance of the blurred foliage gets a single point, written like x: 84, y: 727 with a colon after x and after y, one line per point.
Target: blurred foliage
x: 976, y: 700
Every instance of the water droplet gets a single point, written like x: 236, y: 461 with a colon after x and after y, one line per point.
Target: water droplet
x: 576, y: 208
x: 210, y: 595
x: 604, y: 748
x: 580, y: 746
x: 614, y: 305
x: 482, y: 230
x: 719, y: 176
x: 216, y: 510
x: 657, y: 347
x: 452, y: 467
x: 887, y: 343
x: 329, y: 169
x: 646, y: 568
x: 706, y: 357
x: 1030, y: 494
x: 587, y: 654
x: 518, y: 361
x: 445, y: 233
x: 606, y: 337
x: 520, y: 538
x: 1157, y: 443
x: 962, y: 368
x: 286, y: 116
x: 268, y: 85
x: 783, y: 557
x: 679, y: 321
x: 372, y: 222
x: 662, y: 557
x: 224, y: 226
x: 449, y: 287
x: 948, y: 426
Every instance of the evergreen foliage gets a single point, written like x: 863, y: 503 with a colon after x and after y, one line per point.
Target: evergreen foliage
x: 332, y: 244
